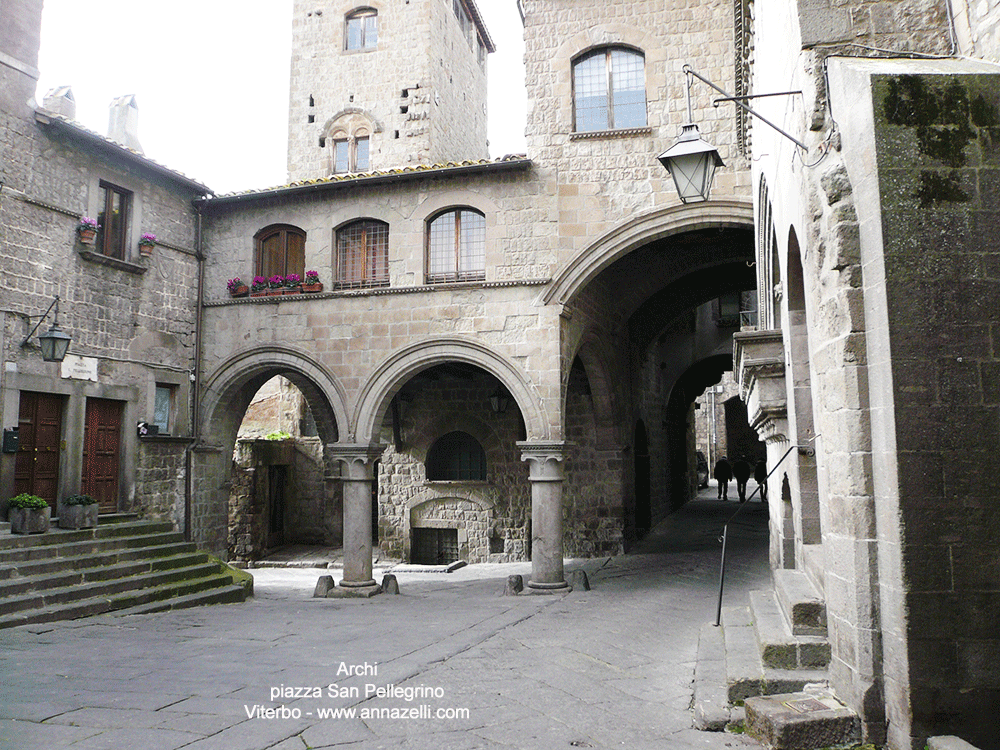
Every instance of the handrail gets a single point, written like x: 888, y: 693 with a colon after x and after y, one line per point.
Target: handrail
x: 725, y: 529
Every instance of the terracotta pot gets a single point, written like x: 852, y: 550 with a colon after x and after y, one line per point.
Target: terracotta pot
x: 145, y: 250
x: 275, y: 292
x: 312, y: 288
x: 241, y: 291
x: 87, y: 236
x: 29, y: 520
x: 261, y: 293
x: 293, y: 290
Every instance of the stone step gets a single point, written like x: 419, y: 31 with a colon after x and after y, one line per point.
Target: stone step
x: 779, y: 648
x: 92, y: 569
x: 802, y: 721
x: 93, y: 553
x: 710, y: 705
x: 232, y: 594
x: 50, y: 597
x: 801, y: 603
x: 211, y: 589
x: 746, y: 674
x: 12, y: 546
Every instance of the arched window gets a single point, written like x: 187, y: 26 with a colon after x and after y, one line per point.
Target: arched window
x: 280, y: 251
x: 456, y: 456
x: 609, y: 90
x: 456, y: 246
x: 363, y: 254
x: 361, y: 31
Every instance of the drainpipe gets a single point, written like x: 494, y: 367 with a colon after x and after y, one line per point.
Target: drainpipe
x: 195, y: 382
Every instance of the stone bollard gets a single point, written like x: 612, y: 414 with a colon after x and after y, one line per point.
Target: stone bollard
x: 389, y: 584
x: 515, y: 585
x: 323, y: 586
x: 579, y: 581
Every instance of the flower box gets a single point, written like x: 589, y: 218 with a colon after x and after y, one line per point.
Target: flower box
x: 293, y: 290
x: 312, y: 288
x: 29, y: 520
x: 240, y: 291
x: 87, y: 236
x: 274, y: 292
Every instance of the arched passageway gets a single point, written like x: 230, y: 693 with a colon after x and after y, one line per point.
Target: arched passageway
x: 246, y: 530
x: 663, y: 314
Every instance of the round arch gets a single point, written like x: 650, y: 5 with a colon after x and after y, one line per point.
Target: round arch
x: 393, y: 373
x: 584, y: 268
x: 261, y: 363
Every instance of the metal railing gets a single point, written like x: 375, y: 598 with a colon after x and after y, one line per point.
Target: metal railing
x: 807, y: 450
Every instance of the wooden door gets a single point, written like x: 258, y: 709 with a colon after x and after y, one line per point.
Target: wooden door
x: 101, y: 449
x: 36, y: 466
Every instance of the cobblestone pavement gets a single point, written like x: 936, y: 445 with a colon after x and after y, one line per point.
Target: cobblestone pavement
x: 606, y: 668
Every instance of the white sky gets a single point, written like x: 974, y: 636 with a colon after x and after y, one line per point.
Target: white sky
x: 211, y: 79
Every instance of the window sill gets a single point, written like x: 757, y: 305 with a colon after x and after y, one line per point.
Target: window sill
x: 456, y: 483
x: 105, y: 260
x: 623, y: 133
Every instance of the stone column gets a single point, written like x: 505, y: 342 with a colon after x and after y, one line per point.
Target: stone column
x: 545, y: 461
x: 357, y: 460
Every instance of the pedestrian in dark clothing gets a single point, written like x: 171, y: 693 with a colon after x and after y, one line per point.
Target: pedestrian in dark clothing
x: 760, y: 477
x: 722, y: 474
x: 742, y: 472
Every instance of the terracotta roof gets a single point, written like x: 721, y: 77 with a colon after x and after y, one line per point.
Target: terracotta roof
x: 74, y: 129
x: 363, y: 179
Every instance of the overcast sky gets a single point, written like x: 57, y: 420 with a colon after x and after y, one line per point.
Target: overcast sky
x: 211, y: 79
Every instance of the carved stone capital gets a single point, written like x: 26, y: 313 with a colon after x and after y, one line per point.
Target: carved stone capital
x: 545, y: 459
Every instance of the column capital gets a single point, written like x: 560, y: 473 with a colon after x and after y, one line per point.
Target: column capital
x: 365, y: 453
x: 545, y: 458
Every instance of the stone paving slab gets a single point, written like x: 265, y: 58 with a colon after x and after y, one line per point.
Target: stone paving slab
x: 608, y: 668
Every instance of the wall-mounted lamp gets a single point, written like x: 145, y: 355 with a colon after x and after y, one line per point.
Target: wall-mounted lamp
x: 691, y: 161
x: 499, y: 400
x: 53, y: 342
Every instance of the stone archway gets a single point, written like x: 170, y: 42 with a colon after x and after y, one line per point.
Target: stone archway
x: 225, y: 398
x: 389, y: 377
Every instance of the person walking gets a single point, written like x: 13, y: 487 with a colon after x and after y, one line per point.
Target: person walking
x: 723, y: 473
x: 742, y: 472
x: 760, y: 477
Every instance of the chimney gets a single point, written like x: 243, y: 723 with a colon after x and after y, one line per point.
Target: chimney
x: 60, y: 100
x: 123, y: 122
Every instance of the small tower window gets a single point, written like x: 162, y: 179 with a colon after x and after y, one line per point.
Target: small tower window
x: 362, y: 29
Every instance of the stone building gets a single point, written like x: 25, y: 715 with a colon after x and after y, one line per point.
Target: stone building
x: 132, y: 317
x: 504, y: 361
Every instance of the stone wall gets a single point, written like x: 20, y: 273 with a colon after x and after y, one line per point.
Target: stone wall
x: 936, y: 140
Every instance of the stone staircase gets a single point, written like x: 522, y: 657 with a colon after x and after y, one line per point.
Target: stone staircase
x: 123, y: 565
x: 776, y: 645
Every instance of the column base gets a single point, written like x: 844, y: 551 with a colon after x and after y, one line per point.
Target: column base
x: 354, y: 591
x: 548, y: 586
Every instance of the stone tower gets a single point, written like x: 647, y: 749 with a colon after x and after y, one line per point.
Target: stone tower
x: 385, y: 85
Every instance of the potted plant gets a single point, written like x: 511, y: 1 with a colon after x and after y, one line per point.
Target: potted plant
x: 146, y: 244
x: 293, y: 284
x: 86, y: 230
x: 28, y: 514
x: 258, y: 287
x: 78, y: 512
x: 275, y: 285
x: 312, y: 283
x: 237, y: 288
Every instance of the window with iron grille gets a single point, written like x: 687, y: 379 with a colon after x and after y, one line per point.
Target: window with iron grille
x: 362, y: 29
x: 434, y: 546
x: 113, y: 217
x: 456, y: 457
x: 363, y: 254
x: 280, y: 251
x: 456, y: 247
x: 609, y: 90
